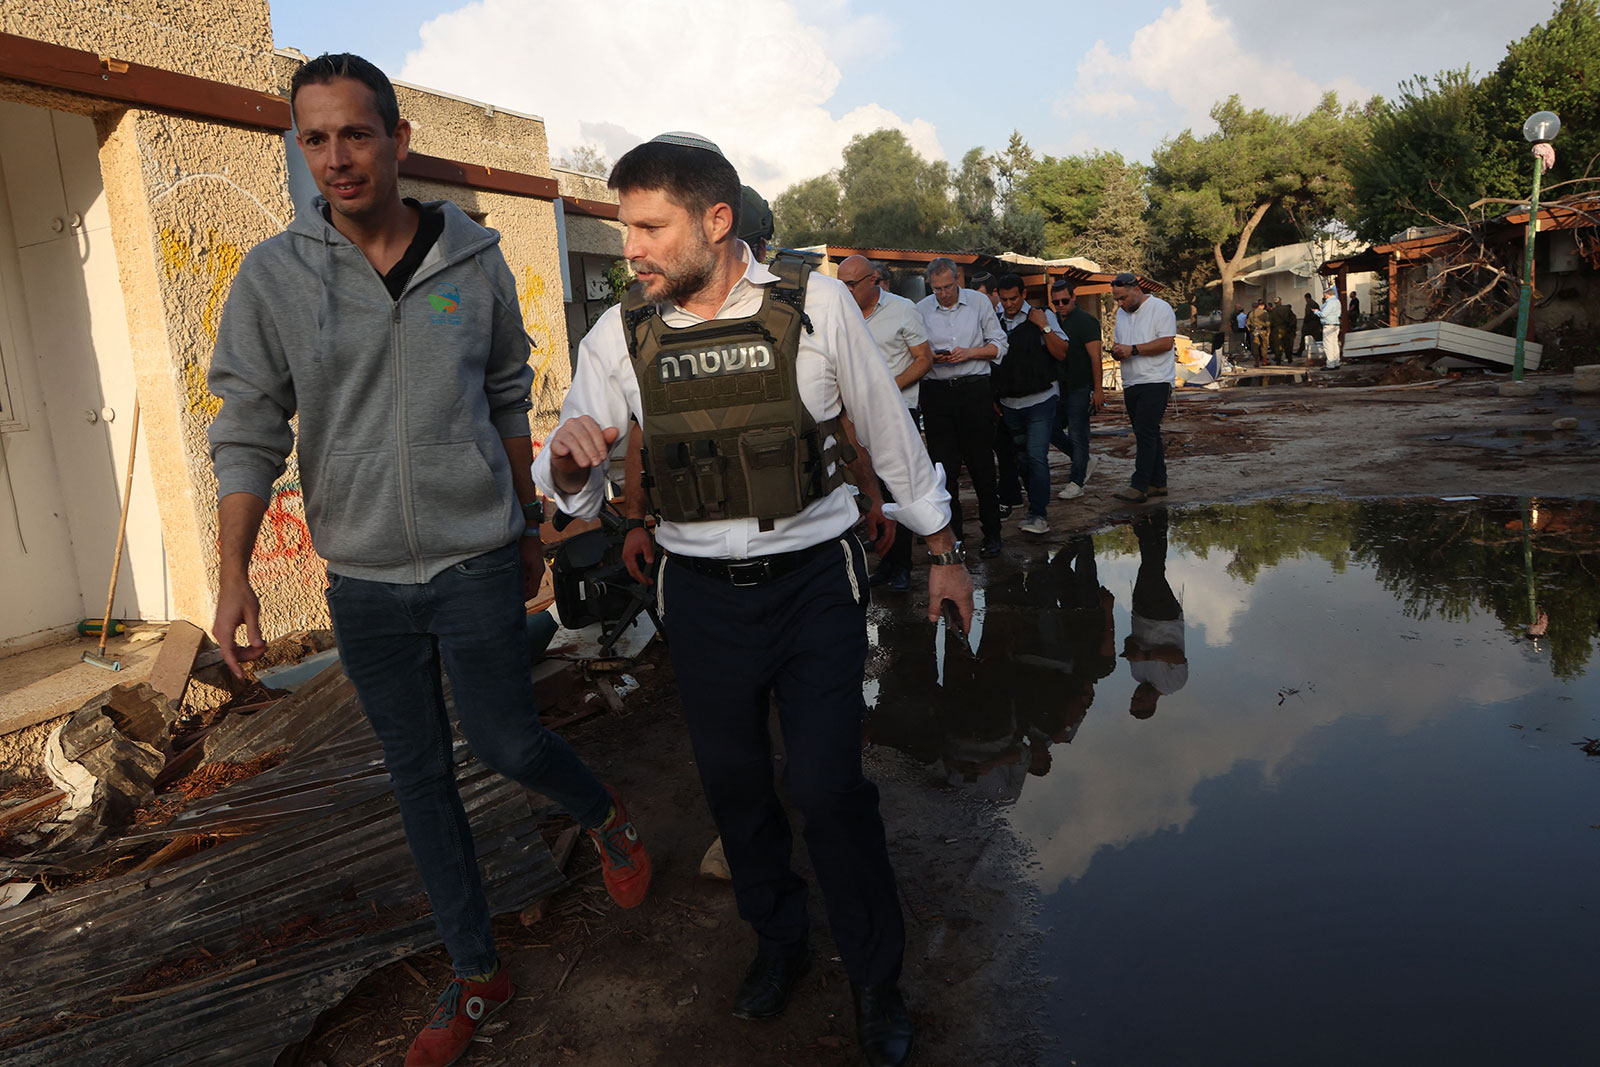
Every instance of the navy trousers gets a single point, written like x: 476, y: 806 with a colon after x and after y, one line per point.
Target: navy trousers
x: 396, y: 641
x: 802, y: 638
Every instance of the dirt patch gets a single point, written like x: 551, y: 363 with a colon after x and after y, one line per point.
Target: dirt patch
x: 601, y: 986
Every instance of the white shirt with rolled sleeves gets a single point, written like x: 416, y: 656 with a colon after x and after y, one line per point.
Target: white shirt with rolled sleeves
x: 1154, y: 318
x: 970, y: 323
x: 1017, y: 403
x: 838, y: 365
x: 897, y: 327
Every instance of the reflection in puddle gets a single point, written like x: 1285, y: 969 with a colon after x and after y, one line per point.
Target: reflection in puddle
x: 1303, y: 780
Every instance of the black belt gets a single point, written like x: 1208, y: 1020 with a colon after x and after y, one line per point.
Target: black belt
x: 757, y: 570
x: 965, y: 379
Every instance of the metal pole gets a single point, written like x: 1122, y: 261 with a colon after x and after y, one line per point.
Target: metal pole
x: 1525, y: 301
x: 1527, y: 559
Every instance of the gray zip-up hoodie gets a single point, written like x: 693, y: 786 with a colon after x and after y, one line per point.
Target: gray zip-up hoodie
x: 402, y: 405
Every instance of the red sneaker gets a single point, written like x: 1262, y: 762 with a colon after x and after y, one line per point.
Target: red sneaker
x: 462, y: 1008
x: 623, y: 860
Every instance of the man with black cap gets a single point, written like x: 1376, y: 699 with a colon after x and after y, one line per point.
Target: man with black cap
x: 737, y: 375
x: 1146, y: 333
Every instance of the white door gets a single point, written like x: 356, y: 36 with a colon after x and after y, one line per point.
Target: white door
x: 69, y: 375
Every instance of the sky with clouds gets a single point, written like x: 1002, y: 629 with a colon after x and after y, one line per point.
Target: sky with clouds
x: 782, y: 86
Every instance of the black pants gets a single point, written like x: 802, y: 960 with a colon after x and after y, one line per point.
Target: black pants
x: 1146, y: 405
x: 1008, y: 479
x: 958, y: 417
x: 803, y: 638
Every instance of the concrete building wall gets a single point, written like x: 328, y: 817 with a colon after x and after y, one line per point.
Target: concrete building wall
x: 183, y: 199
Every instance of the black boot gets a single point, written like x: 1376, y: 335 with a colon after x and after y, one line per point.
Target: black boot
x: 883, y: 1027
x: 768, y: 983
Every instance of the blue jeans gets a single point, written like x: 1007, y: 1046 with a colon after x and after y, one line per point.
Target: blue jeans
x: 1030, y: 428
x: 1071, y: 434
x: 394, y: 640
x: 1146, y: 405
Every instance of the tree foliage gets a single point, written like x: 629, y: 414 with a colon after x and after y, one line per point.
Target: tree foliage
x: 1448, y: 142
x: 1425, y: 160
x: 884, y: 195
x: 1556, y: 67
x: 1068, y: 191
x: 1260, y: 180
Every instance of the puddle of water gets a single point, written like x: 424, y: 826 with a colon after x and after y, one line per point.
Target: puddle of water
x: 1302, y: 780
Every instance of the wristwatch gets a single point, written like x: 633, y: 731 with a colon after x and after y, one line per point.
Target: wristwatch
x: 629, y: 525
x: 1133, y: 350
x: 946, y: 559
x: 533, y: 512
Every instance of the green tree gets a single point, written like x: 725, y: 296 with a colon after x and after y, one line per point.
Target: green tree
x: 1260, y: 176
x: 1449, y: 142
x: 1067, y: 191
x: 1117, y: 235
x: 1426, y: 159
x: 989, y: 216
x: 808, y: 213
x: 890, y: 196
x: 1556, y: 67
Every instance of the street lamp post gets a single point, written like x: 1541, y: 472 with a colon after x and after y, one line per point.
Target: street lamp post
x: 1541, y: 128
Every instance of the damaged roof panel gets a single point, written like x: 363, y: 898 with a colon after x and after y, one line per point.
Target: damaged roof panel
x: 229, y: 955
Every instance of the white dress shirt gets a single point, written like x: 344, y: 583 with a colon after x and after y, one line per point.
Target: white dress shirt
x: 1017, y: 403
x: 897, y: 328
x: 1154, y: 318
x: 970, y: 323
x: 838, y: 366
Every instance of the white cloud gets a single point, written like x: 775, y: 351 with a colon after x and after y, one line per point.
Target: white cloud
x: 1183, y: 61
x: 755, y: 76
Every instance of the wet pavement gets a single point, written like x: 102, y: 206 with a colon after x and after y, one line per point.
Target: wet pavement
x: 1302, y: 781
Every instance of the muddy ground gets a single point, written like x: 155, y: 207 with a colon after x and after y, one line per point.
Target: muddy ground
x: 600, y: 986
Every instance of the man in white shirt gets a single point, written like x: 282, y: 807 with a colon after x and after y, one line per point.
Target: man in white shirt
x: 897, y: 329
x: 756, y: 605
x: 957, y: 404
x: 1154, y: 647
x: 1146, y: 332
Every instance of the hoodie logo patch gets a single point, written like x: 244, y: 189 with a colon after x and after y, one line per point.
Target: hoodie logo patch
x: 446, y: 303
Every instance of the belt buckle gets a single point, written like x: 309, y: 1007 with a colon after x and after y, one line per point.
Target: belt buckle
x: 750, y: 572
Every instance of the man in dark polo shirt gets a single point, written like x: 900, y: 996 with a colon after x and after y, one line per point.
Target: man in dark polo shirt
x: 1083, y: 388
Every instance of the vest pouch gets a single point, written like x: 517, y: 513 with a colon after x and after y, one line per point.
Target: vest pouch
x: 710, y: 478
x: 770, y: 459
x: 677, y: 490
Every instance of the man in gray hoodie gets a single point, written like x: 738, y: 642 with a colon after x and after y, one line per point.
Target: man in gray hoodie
x: 391, y: 328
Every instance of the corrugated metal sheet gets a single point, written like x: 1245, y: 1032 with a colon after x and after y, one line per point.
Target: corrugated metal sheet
x: 318, y: 889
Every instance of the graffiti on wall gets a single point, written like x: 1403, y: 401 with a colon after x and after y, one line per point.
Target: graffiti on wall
x: 216, y: 262
x: 283, y: 551
x: 531, y: 299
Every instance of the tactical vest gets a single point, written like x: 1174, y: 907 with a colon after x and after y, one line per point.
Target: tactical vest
x: 1028, y: 366
x: 726, y: 435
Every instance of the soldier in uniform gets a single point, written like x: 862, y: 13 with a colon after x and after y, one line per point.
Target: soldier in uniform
x: 737, y: 374
x: 1282, y: 318
x: 1259, y: 323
